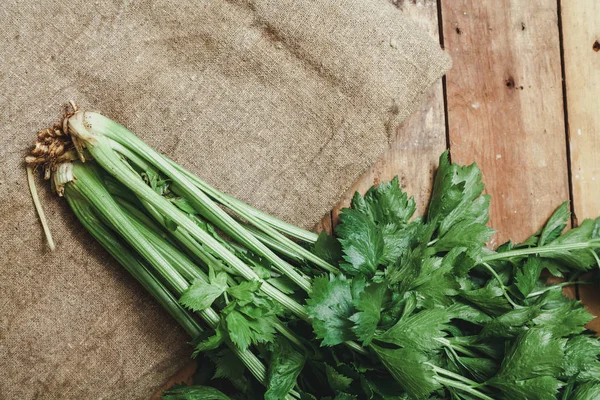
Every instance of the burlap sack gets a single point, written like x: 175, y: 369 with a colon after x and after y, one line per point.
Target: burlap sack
x: 282, y: 103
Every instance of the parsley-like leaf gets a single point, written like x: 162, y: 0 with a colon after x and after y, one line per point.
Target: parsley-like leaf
x: 284, y: 367
x: 419, y: 331
x: 328, y: 248
x: 369, y: 305
x: 555, y: 225
x: 200, y: 295
x: 410, y: 369
x: 330, y: 306
x: 362, y: 243
x: 528, y: 275
x: 337, y: 381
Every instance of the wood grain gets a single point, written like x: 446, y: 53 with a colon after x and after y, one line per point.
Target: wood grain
x: 505, y: 107
x: 414, y: 153
x: 581, y: 44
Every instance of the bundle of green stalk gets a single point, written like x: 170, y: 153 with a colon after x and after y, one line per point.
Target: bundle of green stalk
x: 393, y: 307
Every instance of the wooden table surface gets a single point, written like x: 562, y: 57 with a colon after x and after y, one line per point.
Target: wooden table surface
x: 522, y: 101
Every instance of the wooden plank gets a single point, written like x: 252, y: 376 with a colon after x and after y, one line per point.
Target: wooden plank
x: 505, y: 106
x: 414, y: 153
x: 184, y: 375
x: 325, y: 224
x: 581, y: 44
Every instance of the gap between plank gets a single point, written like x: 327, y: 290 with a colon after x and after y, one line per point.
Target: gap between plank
x: 444, y: 88
x: 566, y: 112
x: 574, y: 221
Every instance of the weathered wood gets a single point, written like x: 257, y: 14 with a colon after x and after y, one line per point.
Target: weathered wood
x: 325, y: 224
x: 581, y: 43
x: 184, y: 375
x: 505, y: 106
x: 413, y: 155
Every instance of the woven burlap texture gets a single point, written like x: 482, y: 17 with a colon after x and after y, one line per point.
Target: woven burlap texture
x: 281, y: 103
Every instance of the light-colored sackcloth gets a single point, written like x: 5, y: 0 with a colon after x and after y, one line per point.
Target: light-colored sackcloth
x: 282, y: 103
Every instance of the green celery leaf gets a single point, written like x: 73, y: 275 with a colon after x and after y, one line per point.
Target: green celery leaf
x: 397, y: 240
x: 239, y: 329
x: 555, y: 225
x: 262, y: 272
x: 330, y: 306
x: 200, y: 295
x: 509, y: 324
x: 382, y: 388
x: 540, y: 388
x: 586, y: 391
x: 386, y: 203
x: 480, y: 368
x: 245, y: 291
x: 492, y: 348
x: 436, y: 284
x: 489, y: 298
x: 152, y: 178
x: 183, y: 205
x: 369, y: 305
x: 362, y: 243
x: 467, y: 312
x: 561, y: 315
x: 531, y: 365
x: 284, y: 284
x: 410, y: 369
x: 263, y: 329
x: 582, y: 358
x: 533, y: 354
x: 464, y: 260
x: 205, y: 342
x: 419, y: 331
x: 476, y: 211
x: 244, y: 329
x: 528, y: 275
x: 337, y: 381
x: 455, y: 189
x: 328, y: 248
x: 464, y: 233
x: 581, y: 259
x: 284, y: 368
x: 227, y: 365
x: 193, y: 393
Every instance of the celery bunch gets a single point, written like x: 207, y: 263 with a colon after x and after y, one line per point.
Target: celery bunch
x: 396, y: 307
x: 230, y: 265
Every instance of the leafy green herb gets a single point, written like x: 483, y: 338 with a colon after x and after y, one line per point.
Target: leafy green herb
x: 436, y: 313
x: 200, y: 295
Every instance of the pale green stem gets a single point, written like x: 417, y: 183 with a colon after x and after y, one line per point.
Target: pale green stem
x: 504, y: 289
x: 89, y: 185
x: 460, y: 348
x: 595, y: 257
x: 556, y: 285
x: 451, y: 374
x: 39, y: 209
x: 549, y: 248
x: 240, y: 207
x: 463, y: 387
x: 126, y: 142
x: 101, y: 149
x: 277, y: 237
